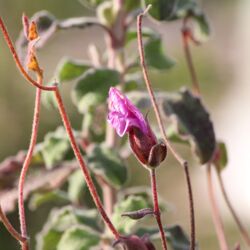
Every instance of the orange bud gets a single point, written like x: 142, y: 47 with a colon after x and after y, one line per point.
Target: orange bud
x: 33, y: 34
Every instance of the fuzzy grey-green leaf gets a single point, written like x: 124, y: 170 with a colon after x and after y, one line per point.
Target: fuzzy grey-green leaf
x: 155, y: 56
x: 106, y: 162
x: 92, y: 87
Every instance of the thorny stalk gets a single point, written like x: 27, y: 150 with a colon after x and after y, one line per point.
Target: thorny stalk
x: 182, y: 162
x: 215, y: 212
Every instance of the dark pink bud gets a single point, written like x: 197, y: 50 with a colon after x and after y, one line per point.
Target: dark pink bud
x: 127, y: 118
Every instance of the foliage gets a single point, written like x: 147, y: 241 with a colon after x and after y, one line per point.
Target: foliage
x: 77, y: 224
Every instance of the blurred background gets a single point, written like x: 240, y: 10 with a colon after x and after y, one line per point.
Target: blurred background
x: 222, y: 64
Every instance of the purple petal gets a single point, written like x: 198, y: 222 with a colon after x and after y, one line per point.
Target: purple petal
x: 123, y: 114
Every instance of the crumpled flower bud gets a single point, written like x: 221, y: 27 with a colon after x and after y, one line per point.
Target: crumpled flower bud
x: 126, y: 118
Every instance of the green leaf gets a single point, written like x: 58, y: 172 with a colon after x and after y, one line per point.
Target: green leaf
x: 49, y: 100
x: 220, y: 158
x: 146, y: 194
x: 174, y: 234
x: 78, y: 191
x: 69, y: 69
x: 91, y: 3
x: 78, y: 22
x: 92, y: 88
x: 61, y: 220
x: 106, y: 163
x: 146, y: 33
x: 78, y: 238
x: 167, y: 10
x: 170, y: 10
x: 49, y: 240
x: 56, y: 147
x: 178, y: 238
x: 194, y: 120
x: 55, y: 196
x: 202, y: 29
x: 155, y: 57
x: 131, y: 203
x: 130, y: 5
x: 76, y: 186
x: 106, y: 13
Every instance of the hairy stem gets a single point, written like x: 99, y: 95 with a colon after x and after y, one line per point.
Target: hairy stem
x: 157, y: 211
x: 10, y: 228
x: 241, y: 227
x: 182, y: 162
x: 215, y: 212
x: 84, y: 168
x: 194, y: 79
x: 27, y: 161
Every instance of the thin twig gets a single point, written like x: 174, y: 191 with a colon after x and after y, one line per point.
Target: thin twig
x: 84, y: 168
x: 215, y: 212
x: 193, y: 75
x: 10, y: 228
x: 241, y: 227
x: 157, y: 212
x: 17, y: 60
x: 27, y: 160
x: 182, y: 162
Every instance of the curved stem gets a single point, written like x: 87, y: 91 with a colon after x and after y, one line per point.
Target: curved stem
x: 157, y: 209
x: 18, y: 62
x: 182, y: 162
x: 241, y: 227
x: 191, y: 207
x: 10, y: 228
x: 27, y: 161
x: 215, y: 212
x: 84, y: 168
x: 194, y: 79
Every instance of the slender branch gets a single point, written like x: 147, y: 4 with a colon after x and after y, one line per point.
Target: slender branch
x: 27, y: 160
x: 18, y: 62
x: 193, y: 75
x: 215, y: 212
x: 182, y: 162
x: 157, y: 209
x: 10, y: 228
x: 241, y: 227
x: 84, y: 168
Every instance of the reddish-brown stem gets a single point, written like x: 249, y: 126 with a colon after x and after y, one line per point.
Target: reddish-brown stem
x: 241, y: 227
x: 27, y: 161
x: 215, y: 212
x: 10, y: 228
x: 157, y: 211
x: 84, y: 168
x: 182, y: 162
x: 17, y: 60
x: 185, y: 39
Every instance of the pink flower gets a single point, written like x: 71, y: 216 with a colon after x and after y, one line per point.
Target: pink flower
x: 123, y: 115
x: 126, y: 118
